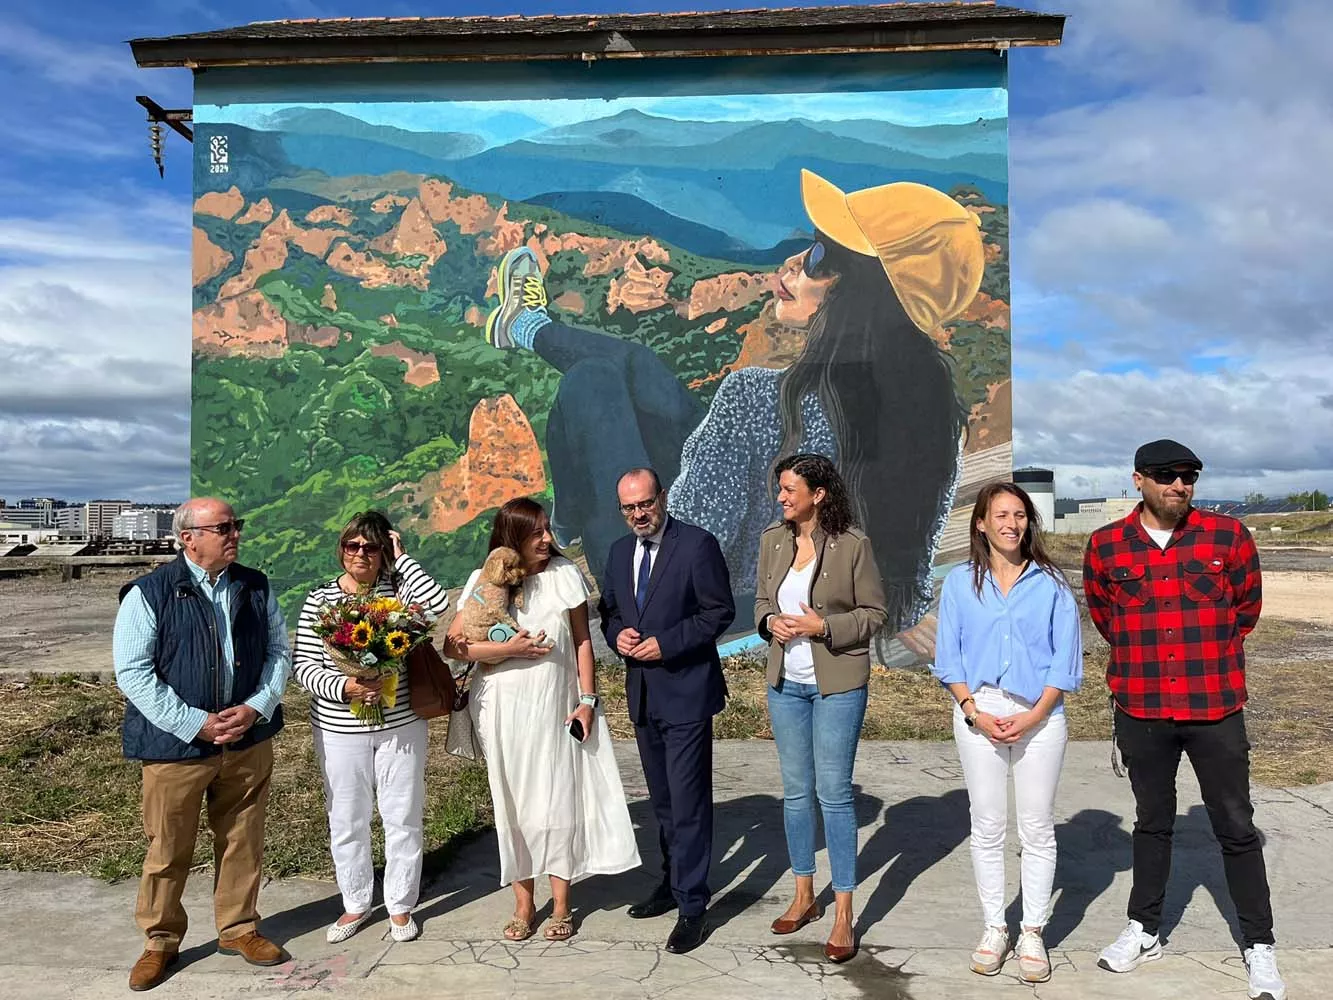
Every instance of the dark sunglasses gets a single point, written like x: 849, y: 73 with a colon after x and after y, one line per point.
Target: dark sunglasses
x: 1165, y: 477
x: 643, y: 505
x: 814, y: 257
x: 222, y: 528
x: 369, y: 548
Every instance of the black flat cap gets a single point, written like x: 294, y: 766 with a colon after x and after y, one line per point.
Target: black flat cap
x: 1164, y: 454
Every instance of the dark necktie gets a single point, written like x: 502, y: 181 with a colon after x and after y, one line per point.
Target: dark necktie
x: 645, y: 571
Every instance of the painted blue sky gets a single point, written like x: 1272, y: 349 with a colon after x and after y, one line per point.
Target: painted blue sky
x: 1169, y: 221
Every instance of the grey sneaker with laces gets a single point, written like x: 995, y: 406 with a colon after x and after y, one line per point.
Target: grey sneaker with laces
x: 519, y: 280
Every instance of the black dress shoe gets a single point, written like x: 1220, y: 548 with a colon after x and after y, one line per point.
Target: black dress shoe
x: 687, y: 935
x: 655, y: 905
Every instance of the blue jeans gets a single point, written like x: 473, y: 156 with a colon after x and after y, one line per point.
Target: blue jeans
x: 817, y: 737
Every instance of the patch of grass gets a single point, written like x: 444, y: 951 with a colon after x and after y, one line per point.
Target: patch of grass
x: 70, y: 802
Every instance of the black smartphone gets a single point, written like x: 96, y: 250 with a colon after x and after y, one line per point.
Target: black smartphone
x: 576, y: 730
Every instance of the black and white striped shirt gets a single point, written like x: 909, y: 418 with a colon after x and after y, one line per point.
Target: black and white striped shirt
x: 315, y: 671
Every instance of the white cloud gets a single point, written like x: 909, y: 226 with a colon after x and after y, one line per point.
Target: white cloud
x: 63, y: 62
x: 95, y: 355
x: 1171, y: 236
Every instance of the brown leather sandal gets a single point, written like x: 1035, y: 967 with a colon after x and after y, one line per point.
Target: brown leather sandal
x: 559, y: 928
x: 519, y: 930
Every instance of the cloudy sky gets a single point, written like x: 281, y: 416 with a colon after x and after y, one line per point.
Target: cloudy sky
x: 1172, y: 239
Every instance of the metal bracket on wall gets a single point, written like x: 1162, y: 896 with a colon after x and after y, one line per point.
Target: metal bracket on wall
x: 173, y: 119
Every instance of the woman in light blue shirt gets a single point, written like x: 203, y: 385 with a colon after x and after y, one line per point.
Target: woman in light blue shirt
x: 1008, y: 648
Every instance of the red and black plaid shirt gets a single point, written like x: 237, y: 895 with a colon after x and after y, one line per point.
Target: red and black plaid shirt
x: 1176, y: 618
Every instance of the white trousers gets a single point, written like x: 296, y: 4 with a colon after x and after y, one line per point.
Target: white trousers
x: 361, y: 769
x: 1035, y: 761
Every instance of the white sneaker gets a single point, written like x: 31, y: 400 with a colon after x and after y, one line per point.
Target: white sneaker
x: 991, y: 952
x: 337, y: 933
x: 1034, y: 965
x: 1265, y: 982
x: 404, y: 932
x: 1131, y: 949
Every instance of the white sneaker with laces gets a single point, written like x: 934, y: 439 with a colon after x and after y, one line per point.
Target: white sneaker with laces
x: 1130, y: 950
x: 1034, y: 965
x: 337, y: 933
x: 405, y: 932
x: 1265, y: 981
x: 991, y: 952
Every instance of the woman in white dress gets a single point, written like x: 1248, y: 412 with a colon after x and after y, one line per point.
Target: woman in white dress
x: 559, y: 805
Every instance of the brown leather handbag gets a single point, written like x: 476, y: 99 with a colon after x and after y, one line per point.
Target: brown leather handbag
x: 430, y: 682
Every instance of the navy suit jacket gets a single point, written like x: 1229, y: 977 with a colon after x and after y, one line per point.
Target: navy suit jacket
x: 689, y: 606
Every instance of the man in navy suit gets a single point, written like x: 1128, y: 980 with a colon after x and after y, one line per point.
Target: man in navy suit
x: 666, y: 598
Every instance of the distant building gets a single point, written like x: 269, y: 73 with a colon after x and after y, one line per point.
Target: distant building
x: 1040, y: 485
x: 141, y: 524
x: 1082, y: 517
x: 102, y: 516
x: 13, y: 534
x: 72, y: 520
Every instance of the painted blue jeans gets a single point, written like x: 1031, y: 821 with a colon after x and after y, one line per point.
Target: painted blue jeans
x: 817, y: 737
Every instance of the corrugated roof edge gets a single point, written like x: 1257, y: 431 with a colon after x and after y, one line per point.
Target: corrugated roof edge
x: 896, y: 27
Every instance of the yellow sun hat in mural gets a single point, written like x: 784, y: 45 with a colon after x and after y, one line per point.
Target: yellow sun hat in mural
x: 929, y: 245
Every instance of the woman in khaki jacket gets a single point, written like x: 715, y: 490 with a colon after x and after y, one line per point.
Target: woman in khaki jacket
x: 819, y: 599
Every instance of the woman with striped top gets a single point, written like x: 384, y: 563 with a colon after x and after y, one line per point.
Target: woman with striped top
x: 365, y: 765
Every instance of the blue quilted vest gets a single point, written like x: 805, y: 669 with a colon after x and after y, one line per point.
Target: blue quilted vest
x: 188, y: 657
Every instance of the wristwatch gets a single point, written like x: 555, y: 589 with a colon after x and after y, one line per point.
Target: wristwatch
x: 971, y: 720
x: 588, y: 699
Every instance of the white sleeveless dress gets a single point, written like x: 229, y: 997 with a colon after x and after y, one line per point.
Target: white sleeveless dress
x: 559, y: 805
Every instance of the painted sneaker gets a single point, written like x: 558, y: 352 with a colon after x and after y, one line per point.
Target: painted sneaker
x: 1130, y: 950
x: 990, y: 953
x: 519, y: 279
x: 1034, y: 965
x: 1265, y: 981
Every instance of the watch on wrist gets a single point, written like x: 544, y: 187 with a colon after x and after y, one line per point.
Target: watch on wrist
x: 971, y: 720
x: 588, y: 699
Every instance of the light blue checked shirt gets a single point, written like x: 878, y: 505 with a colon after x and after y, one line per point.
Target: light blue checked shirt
x: 132, y: 648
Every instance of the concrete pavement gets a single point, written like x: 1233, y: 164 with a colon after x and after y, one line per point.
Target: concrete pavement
x: 71, y: 937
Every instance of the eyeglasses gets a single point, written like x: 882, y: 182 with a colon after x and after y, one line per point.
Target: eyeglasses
x: 643, y: 506
x: 222, y: 528
x: 369, y: 548
x: 813, y: 258
x: 1165, y: 477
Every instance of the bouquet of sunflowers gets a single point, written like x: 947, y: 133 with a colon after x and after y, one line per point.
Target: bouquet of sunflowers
x: 367, y: 638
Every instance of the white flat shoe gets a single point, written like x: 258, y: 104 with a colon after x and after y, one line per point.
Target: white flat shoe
x: 404, y: 932
x: 337, y: 933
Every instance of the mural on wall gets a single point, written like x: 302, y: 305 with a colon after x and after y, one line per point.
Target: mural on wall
x: 435, y: 306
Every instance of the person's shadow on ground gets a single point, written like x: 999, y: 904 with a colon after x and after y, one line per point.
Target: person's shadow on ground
x: 1196, y: 860
x: 915, y: 835
x: 1092, y: 848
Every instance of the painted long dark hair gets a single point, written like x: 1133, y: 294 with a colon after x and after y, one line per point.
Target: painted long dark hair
x: 1030, y: 546
x: 888, y: 394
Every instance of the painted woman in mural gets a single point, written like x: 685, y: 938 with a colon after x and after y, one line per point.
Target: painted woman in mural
x: 870, y: 389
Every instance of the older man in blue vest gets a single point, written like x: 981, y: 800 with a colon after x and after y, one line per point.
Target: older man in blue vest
x: 202, y: 656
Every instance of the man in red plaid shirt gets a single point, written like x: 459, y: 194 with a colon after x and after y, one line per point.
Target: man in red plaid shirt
x: 1175, y: 590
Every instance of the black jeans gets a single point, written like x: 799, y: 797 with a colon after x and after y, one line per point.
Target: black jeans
x: 1219, y: 752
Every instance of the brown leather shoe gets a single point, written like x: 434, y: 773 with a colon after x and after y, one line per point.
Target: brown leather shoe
x: 151, y: 969
x: 785, y: 926
x: 839, y: 953
x: 254, y: 949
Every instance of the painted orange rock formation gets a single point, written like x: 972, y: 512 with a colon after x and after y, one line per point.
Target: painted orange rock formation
x: 638, y: 289
x: 329, y: 300
x: 260, y: 211
x: 502, y: 462
x: 385, y: 205
x: 604, y: 253
x: 220, y: 204
x: 269, y: 253
x: 421, y: 367
x: 331, y: 213
x: 413, y: 234
x: 371, y: 271
x: 570, y: 301
x: 245, y: 324
x: 207, y: 258
x: 725, y: 291
x: 989, y: 423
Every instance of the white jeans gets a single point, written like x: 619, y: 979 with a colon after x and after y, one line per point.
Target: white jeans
x: 1035, y: 761
x: 360, y: 769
